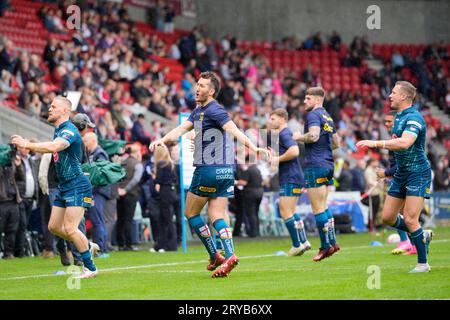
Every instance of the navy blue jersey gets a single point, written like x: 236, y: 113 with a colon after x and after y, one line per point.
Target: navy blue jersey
x: 413, y: 159
x: 289, y: 171
x: 213, y: 147
x: 68, y: 161
x: 320, y: 153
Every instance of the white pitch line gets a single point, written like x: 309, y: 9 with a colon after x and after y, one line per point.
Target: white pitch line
x: 133, y: 267
x: 175, y: 264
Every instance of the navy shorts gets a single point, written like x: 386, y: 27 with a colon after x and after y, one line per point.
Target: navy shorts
x: 406, y: 184
x: 290, y: 190
x: 74, y: 193
x: 213, y: 182
x: 317, y: 176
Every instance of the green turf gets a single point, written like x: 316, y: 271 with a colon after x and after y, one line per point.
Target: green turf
x: 260, y: 275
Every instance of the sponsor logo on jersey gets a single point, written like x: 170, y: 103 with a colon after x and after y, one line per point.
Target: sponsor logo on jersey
x: 321, y: 180
x: 297, y: 190
x: 207, y: 189
x: 230, y: 189
x: 87, y: 200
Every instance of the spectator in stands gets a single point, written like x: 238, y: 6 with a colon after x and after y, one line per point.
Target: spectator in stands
x: 53, y: 21
x: 157, y: 105
x: 6, y: 85
x: 4, y: 5
x: 160, y: 15
x: 126, y: 69
x: 169, y: 15
x: 397, y: 61
x: 226, y: 95
x: 34, y: 107
x: 174, y: 51
x: 10, y: 201
x: 117, y: 116
x: 138, y: 132
x: 129, y: 193
x: 317, y: 41
x: 26, y: 94
x: 335, y: 41
x: 7, y: 59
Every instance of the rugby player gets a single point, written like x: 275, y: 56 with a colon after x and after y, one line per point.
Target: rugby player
x: 320, y: 140
x: 74, y: 189
x: 405, y: 245
x: 291, y: 182
x: 412, y: 179
x: 213, y: 180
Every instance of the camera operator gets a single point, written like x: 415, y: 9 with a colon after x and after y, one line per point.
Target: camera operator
x: 9, y: 202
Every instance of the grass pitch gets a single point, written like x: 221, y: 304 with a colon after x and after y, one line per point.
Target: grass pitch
x: 261, y: 274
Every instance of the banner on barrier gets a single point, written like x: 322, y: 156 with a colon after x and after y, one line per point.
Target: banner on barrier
x: 441, y: 203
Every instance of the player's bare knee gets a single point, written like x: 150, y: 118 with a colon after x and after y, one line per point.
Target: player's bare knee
x: 70, y: 231
x: 388, y: 219
x: 410, y: 221
x: 56, y: 229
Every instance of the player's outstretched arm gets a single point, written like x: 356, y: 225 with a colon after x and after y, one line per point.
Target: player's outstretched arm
x: 232, y: 129
x: 56, y: 145
x: 397, y: 144
x: 173, y: 134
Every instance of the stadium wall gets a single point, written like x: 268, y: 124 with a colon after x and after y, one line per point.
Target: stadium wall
x: 402, y: 21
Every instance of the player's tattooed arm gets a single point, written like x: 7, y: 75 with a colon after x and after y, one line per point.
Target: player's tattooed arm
x: 310, y: 137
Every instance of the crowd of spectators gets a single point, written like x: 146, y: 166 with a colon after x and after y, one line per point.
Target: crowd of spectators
x: 113, y: 65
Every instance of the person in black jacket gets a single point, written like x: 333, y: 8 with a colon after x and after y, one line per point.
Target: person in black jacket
x: 252, y: 196
x: 101, y: 194
x: 9, y: 204
x: 29, y: 190
x: 129, y: 193
x: 165, y: 179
